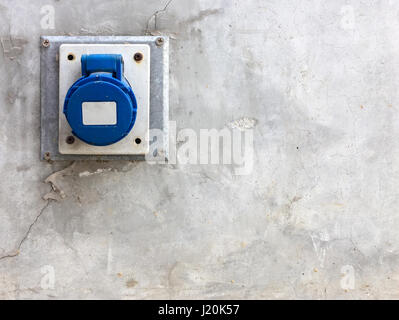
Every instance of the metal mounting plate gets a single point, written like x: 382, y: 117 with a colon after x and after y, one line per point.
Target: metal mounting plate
x: 50, y: 94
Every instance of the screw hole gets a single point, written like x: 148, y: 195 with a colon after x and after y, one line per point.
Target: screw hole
x: 138, y: 140
x: 138, y: 56
x: 71, y: 57
x: 70, y: 139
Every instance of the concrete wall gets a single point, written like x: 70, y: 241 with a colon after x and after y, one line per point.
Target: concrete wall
x: 317, y: 217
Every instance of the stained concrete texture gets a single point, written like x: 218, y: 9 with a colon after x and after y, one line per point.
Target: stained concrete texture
x: 316, y: 218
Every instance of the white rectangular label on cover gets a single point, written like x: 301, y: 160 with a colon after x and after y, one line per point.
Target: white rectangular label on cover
x: 99, y: 113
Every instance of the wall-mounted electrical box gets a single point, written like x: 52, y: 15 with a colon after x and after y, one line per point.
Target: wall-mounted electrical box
x: 101, y: 96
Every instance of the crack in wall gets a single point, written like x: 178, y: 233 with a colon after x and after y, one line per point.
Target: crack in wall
x: 81, y: 170
x: 57, y: 194
x: 154, y: 17
x: 25, y: 237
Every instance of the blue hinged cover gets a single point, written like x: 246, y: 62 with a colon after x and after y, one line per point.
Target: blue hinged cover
x: 102, y: 81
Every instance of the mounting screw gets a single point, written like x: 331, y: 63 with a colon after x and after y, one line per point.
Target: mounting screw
x: 138, y: 56
x: 159, y: 42
x: 137, y: 140
x: 47, y: 156
x: 46, y: 43
x: 70, y: 139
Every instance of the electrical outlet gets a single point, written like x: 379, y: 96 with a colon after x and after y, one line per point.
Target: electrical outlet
x: 103, y: 113
x: 102, y: 95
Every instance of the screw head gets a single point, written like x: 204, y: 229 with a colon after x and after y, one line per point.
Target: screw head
x: 138, y: 56
x: 70, y: 139
x: 46, y: 43
x: 159, y: 42
x: 47, y: 155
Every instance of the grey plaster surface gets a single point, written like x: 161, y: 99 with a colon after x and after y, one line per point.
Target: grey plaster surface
x: 317, y: 79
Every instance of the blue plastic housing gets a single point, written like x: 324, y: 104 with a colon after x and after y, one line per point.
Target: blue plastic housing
x: 102, y: 81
